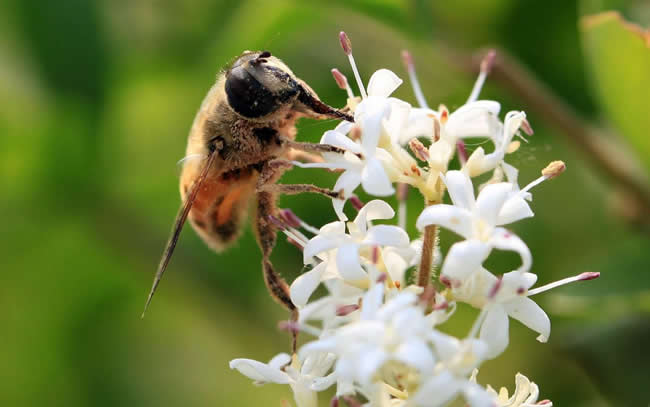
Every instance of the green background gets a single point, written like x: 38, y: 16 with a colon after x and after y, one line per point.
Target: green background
x: 96, y: 99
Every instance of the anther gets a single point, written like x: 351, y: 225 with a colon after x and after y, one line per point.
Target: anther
x: 356, y: 202
x: 277, y: 222
x: 340, y: 79
x: 420, y: 151
x: 290, y: 218
x: 344, y: 310
x: 488, y: 61
x: 554, y: 169
x: 526, y: 127
x: 334, y: 402
x: 346, y: 44
x: 382, y: 278
x: 495, y: 288
x: 462, y: 152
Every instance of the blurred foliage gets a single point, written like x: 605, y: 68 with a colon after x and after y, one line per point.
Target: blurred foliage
x: 98, y: 97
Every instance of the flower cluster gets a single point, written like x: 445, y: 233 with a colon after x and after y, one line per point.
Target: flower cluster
x: 376, y: 337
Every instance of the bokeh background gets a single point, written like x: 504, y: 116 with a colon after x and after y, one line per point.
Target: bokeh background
x: 96, y: 100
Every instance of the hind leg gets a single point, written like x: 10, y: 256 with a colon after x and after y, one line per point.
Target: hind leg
x: 266, y: 237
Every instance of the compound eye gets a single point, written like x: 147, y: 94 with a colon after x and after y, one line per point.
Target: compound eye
x: 246, y: 95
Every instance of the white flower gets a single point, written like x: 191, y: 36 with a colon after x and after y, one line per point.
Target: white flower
x: 304, y: 379
x: 340, y: 252
x: 509, y: 300
x: 476, y: 220
x: 479, y: 162
x: 376, y: 115
x: 395, y: 331
x: 525, y: 394
x: 457, y: 360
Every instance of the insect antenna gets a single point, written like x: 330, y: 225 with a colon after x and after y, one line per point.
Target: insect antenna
x: 181, y: 217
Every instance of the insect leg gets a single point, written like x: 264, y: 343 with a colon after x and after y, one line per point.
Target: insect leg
x: 312, y: 147
x: 267, y: 236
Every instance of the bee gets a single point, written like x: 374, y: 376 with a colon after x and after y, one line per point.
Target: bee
x: 244, y: 137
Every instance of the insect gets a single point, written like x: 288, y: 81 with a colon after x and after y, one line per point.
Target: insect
x: 244, y: 135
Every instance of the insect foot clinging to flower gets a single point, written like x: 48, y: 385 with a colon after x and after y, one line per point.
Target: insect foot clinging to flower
x: 375, y: 334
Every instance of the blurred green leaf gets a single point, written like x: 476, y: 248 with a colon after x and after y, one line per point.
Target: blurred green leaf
x: 619, y: 55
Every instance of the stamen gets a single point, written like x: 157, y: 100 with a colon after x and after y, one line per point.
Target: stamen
x: 278, y: 222
x: 580, y: 277
x: 526, y: 127
x: 294, y: 327
x: 375, y: 254
x: 554, y: 169
x: 344, y: 310
x: 352, y: 402
x: 415, y: 84
x: 551, y: 171
x: 346, y: 44
x: 290, y: 218
x: 356, y: 202
x: 495, y: 289
x: 402, y: 196
x: 420, y: 151
x: 479, y: 321
x: 334, y: 402
x: 382, y: 277
x: 444, y: 114
x: 436, y: 129
x: 342, y: 82
x: 486, y: 66
x: 462, y: 152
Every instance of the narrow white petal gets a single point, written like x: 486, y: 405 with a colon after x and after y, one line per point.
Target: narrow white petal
x: 386, y: 235
x: 415, y: 353
x: 374, y: 179
x: 259, y: 371
x: 530, y: 314
x: 370, y: 115
x: 515, y: 208
x: 456, y: 219
x: 279, y: 360
x: 372, y: 301
x: 323, y: 383
x: 375, y: 209
x: 494, y: 330
x: 491, y: 200
x: 460, y: 189
x: 477, y: 396
x: 464, y: 258
x: 303, y: 286
x: 506, y: 240
x: 437, y: 391
x: 347, y: 261
x: 382, y: 83
x: 319, y: 244
x: 334, y: 138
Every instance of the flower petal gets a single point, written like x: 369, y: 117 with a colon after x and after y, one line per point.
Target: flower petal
x: 491, y: 200
x: 374, y: 179
x: 347, y: 261
x: 334, y: 138
x: 414, y: 352
x: 386, y: 235
x: 477, y: 396
x: 259, y: 371
x: 375, y: 209
x: 303, y: 286
x: 383, y: 82
x: 372, y: 302
x: 460, y: 189
x: 505, y: 240
x: 464, y: 258
x: 515, y: 208
x: 456, y: 219
x: 280, y: 360
x: 319, y: 244
x: 438, y: 390
x: 530, y: 314
x: 494, y: 330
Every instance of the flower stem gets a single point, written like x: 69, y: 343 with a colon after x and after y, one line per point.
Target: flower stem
x: 429, y: 242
